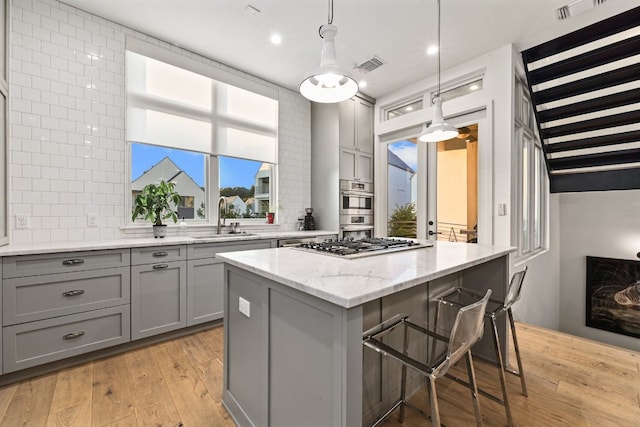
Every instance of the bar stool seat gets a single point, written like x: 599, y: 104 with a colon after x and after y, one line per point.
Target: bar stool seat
x: 431, y: 352
x: 458, y: 297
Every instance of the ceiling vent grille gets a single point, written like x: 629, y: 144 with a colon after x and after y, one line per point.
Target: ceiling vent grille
x: 576, y: 7
x: 370, y: 64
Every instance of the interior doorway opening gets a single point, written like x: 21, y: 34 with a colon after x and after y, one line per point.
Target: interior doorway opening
x: 457, y: 187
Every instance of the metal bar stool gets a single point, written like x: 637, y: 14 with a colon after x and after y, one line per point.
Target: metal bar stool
x: 461, y: 296
x: 442, y: 352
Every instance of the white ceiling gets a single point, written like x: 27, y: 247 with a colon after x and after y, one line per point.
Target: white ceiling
x: 397, y: 31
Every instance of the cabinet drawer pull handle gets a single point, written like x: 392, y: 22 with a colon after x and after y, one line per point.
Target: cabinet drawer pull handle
x: 73, y: 261
x: 160, y: 266
x: 160, y: 254
x: 73, y: 293
x: 73, y: 335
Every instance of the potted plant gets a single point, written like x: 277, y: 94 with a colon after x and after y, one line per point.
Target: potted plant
x: 155, y: 203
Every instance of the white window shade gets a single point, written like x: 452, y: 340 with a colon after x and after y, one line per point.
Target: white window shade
x: 156, y: 128
x: 232, y: 142
x: 158, y: 79
x: 237, y: 102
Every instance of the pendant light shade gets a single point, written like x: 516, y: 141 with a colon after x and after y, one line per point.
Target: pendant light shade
x: 328, y: 83
x: 438, y: 130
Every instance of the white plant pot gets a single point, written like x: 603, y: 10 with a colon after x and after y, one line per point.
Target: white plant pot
x: 159, y: 231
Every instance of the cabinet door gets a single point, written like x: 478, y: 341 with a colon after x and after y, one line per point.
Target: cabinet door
x: 347, y: 164
x: 364, y: 167
x: 205, y: 290
x: 364, y: 126
x: 158, y: 298
x: 346, y: 125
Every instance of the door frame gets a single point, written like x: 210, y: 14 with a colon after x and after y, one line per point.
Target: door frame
x: 410, y: 126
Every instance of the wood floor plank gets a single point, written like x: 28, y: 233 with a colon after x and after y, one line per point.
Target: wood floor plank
x: 195, y: 403
x: 78, y: 415
x: 31, y: 402
x: 6, y: 396
x: 111, y: 397
x: 73, y: 386
x: 151, y: 397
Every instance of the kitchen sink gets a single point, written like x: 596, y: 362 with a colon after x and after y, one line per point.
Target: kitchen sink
x: 227, y: 236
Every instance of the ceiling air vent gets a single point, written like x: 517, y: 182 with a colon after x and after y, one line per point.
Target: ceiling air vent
x: 576, y: 7
x: 370, y: 64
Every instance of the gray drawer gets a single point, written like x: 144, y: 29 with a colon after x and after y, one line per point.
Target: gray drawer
x: 35, y: 343
x: 62, y: 262
x: 154, y: 255
x: 209, y: 250
x: 32, y: 298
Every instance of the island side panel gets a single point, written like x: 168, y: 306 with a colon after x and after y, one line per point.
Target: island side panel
x: 312, y: 360
x: 245, y: 349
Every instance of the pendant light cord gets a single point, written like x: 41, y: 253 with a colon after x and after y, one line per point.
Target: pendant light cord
x: 439, y: 47
x: 329, y: 18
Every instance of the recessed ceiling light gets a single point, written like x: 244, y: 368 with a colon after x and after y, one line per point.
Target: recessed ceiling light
x: 474, y: 87
x: 432, y: 50
x: 276, y: 39
x: 362, y: 83
x: 409, y: 108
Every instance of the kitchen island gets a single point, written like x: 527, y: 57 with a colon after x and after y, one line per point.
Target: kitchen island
x: 294, y: 322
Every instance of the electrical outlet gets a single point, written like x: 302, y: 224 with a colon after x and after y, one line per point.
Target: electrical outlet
x: 244, y: 306
x: 22, y: 221
x: 92, y: 220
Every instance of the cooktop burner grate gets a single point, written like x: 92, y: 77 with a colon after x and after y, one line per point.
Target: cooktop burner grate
x: 360, y: 248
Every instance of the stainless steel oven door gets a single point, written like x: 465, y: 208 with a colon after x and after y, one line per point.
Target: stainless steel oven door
x: 357, y: 220
x: 355, y: 232
x: 356, y: 186
x: 356, y: 203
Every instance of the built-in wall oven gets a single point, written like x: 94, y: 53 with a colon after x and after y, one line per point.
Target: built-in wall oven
x: 356, y: 209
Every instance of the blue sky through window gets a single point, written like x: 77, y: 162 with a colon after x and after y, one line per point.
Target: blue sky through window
x: 233, y: 172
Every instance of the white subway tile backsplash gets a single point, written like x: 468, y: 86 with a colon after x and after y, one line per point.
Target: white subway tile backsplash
x: 68, y: 111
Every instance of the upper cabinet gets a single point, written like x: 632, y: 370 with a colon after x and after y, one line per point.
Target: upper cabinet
x: 356, y: 139
x: 356, y: 125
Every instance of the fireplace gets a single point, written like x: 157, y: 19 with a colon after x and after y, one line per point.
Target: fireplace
x: 613, y: 295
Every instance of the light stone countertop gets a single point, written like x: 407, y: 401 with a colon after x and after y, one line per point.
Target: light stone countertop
x: 351, y: 282
x: 136, y: 242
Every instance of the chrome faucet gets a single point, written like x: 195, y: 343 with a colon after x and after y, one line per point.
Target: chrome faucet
x: 221, y: 201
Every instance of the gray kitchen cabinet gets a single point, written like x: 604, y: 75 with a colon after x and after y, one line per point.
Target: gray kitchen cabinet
x: 342, y: 146
x: 356, y: 166
x: 158, y: 290
x: 355, y: 128
x: 356, y: 124
x: 205, y: 278
x: 34, y: 343
x: 63, y: 304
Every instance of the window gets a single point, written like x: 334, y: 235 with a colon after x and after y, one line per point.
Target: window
x: 532, y: 183
x: 209, y: 137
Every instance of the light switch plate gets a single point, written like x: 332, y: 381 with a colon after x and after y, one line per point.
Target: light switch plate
x: 244, y: 306
x: 502, y: 209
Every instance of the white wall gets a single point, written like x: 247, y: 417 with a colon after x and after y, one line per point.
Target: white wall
x: 67, y: 121
x: 603, y: 224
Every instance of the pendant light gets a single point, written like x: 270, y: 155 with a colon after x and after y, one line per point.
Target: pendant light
x: 438, y: 130
x: 328, y: 83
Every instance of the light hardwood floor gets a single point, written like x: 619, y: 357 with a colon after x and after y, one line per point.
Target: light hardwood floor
x: 571, y: 382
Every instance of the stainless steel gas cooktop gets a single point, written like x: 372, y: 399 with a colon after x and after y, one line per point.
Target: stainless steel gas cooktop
x: 350, y: 249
